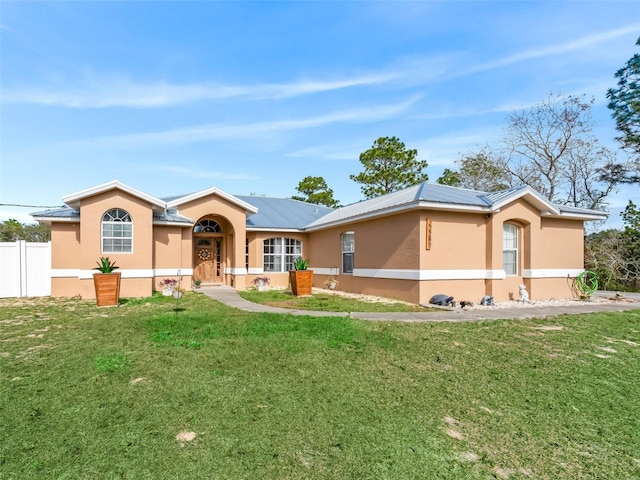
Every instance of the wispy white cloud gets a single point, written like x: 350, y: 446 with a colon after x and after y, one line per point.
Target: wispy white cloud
x: 208, y: 132
x: 578, y: 44
x: 106, y: 91
x: 117, y: 91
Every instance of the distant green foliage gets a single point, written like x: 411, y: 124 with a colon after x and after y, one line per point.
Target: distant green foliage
x: 12, y: 230
x: 449, y: 177
x: 316, y: 190
x: 388, y: 167
x: 480, y: 171
x: 614, y: 255
x: 624, y: 101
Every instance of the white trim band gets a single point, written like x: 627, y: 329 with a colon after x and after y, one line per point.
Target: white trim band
x: 410, y: 274
x: 552, y: 272
x: 125, y: 273
x: 235, y: 271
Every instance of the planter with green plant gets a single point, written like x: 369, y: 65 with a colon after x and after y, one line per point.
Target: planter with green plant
x: 106, y: 283
x: 301, y: 278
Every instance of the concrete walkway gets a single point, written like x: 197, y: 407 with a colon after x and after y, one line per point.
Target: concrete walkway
x: 628, y: 301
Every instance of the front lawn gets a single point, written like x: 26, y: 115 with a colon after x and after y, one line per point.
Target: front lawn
x: 156, y: 389
x: 328, y: 302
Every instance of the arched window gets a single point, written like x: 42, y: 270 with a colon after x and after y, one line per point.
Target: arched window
x: 207, y: 226
x: 280, y: 253
x: 117, y: 231
x: 510, y: 249
x: 348, y: 251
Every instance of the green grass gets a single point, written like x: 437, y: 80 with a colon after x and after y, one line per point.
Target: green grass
x: 327, y: 302
x: 89, y: 393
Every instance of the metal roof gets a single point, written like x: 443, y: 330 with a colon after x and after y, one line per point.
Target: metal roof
x: 169, y: 218
x: 443, y: 197
x: 289, y: 214
x: 282, y: 213
x: 59, y: 214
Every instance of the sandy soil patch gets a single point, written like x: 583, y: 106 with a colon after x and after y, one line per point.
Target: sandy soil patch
x: 185, y: 437
x: 548, y: 328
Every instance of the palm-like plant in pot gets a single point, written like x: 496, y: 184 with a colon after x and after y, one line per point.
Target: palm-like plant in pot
x: 106, y: 283
x: 301, y: 277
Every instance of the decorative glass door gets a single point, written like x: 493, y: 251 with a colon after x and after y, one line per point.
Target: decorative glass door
x: 207, y: 260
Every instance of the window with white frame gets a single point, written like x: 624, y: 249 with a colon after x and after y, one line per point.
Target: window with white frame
x: 280, y: 254
x: 207, y: 226
x: 348, y: 251
x: 117, y: 231
x: 510, y: 249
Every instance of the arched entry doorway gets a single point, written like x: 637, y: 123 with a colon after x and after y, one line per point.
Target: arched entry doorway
x: 208, y: 251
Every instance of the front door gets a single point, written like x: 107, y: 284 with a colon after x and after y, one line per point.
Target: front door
x: 207, y: 253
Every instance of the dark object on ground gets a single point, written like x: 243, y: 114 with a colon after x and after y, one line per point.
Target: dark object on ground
x: 442, y: 300
x: 487, y: 301
x: 466, y: 303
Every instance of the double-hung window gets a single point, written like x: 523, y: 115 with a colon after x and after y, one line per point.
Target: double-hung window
x: 510, y: 249
x: 117, y: 232
x: 279, y: 254
x: 348, y: 251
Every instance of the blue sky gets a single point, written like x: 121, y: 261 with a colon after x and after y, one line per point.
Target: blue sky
x: 251, y: 97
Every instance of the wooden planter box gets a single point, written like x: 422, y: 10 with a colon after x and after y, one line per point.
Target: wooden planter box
x: 107, y: 287
x: 301, y: 282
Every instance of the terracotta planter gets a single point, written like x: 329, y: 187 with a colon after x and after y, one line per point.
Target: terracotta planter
x: 301, y: 282
x: 107, y: 287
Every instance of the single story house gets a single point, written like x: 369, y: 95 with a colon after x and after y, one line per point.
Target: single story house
x: 411, y: 244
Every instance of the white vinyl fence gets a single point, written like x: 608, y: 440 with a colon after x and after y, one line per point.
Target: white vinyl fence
x: 25, y: 269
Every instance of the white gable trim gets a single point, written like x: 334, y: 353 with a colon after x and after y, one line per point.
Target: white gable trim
x: 212, y: 191
x: 73, y: 199
x: 531, y: 196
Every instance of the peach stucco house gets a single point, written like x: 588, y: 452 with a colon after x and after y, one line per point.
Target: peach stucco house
x: 410, y: 244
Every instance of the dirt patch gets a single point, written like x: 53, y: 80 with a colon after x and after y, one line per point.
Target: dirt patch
x: 608, y: 349
x: 185, y: 437
x: 503, y: 472
x: 454, y: 430
x: 469, y: 457
x: 31, y: 350
x: 548, y: 328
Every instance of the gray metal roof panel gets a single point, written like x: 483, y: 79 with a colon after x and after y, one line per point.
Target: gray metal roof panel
x: 171, y: 218
x: 282, y: 213
x: 434, y: 192
x: 63, y: 212
x: 424, y: 192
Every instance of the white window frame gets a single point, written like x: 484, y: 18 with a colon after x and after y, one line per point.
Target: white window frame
x: 510, y: 251
x: 116, y: 220
x: 283, y: 251
x: 348, y: 247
